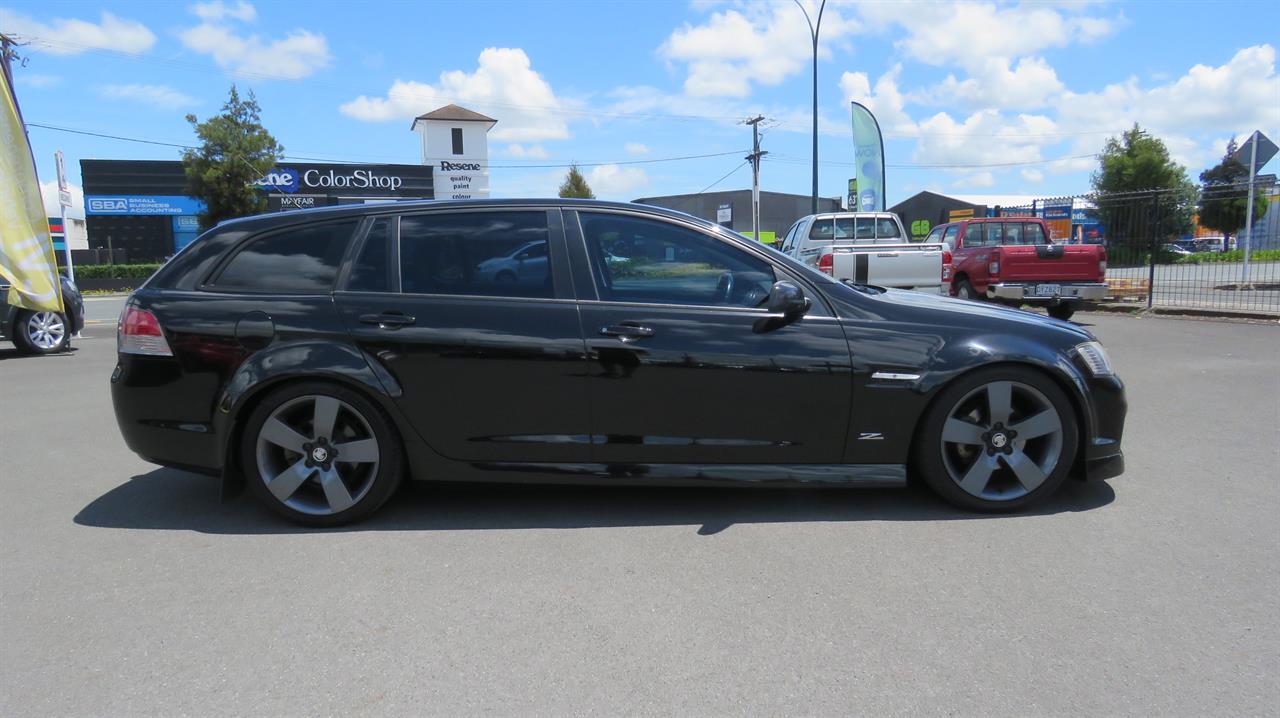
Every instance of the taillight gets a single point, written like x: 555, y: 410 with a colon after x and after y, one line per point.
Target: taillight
x: 946, y: 266
x: 138, y: 332
x: 1102, y: 262
x: 827, y: 263
x: 993, y: 268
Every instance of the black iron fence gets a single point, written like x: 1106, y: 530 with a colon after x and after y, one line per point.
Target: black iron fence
x: 1153, y: 259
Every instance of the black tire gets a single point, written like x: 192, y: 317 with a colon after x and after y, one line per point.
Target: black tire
x: 933, y: 461
x: 1062, y: 311
x: 374, y: 484
x: 25, y: 331
x: 964, y: 290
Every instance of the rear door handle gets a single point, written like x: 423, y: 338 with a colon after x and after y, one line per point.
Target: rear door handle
x: 626, y: 332
x: 388, y: 320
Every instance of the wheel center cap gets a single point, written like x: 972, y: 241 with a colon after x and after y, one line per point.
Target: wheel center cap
x: 998, y: 440
x: 319, y: 454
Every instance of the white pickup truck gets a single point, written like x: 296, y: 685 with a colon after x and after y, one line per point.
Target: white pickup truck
x: 868, y: 248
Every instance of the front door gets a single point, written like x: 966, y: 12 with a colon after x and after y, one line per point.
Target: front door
x: 681, y: 368
x: 479, y: 328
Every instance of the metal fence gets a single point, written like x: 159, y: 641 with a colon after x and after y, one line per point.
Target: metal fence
x: 1151, y: 260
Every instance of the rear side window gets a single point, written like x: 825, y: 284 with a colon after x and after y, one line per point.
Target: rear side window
x: 973, y: 235
x: 1034, y: 234
x: 993, y: 231
x: 886, y: 227
x: 1013, y: 233
x: 371, y: 271
x: 495, y: 254
x: 303, y: 260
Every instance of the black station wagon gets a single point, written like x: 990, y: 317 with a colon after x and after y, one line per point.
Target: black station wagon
x: 319, y: 356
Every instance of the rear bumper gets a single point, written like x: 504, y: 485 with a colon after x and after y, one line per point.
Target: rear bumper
x: 1069, y: 291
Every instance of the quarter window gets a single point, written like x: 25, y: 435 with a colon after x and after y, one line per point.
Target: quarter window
x: 296, y: 261
x: 496, y: 254
x: 643, y: 260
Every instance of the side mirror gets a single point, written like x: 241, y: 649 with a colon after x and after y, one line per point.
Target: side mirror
x: 787, y: 299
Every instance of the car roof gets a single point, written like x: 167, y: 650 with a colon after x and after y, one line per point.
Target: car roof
x: 263, y: 221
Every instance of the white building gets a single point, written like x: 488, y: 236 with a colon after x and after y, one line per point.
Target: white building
x: 455, y: 143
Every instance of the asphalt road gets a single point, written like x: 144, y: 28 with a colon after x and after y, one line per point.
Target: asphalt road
x: 129, y: 590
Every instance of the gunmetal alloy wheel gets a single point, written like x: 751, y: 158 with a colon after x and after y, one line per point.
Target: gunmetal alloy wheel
x: 45, y: 331
x: 1002, y: 440
x: 317, y: 455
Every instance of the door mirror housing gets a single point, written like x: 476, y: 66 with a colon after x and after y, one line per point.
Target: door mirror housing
x: 788, y: 300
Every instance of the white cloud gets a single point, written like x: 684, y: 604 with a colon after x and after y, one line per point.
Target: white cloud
x: 298, y: 54
x: 37, y: 80
x: 1031, y: 175
x: 161, y: 96
x: 504, y: 86
x: 219, y: 10
x: 533, y: 152
x: 69, y: 36
x: 993, y: 83
x: 612, y: 181
x: 49, y: 192
x: 885, y: 101
x: 636, y: 148
x: 976, y: 180
x: 985, y: 137
x: 762, y: 43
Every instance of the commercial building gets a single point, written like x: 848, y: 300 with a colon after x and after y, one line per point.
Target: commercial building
x: 732, y: 209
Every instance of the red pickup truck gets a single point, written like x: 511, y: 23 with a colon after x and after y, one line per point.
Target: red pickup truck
x: 1011, y: 259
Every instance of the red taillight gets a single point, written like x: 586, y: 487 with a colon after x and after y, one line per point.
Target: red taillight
x: 138, y: 332
x: 1102, y: 262
x: 827, y: 263
x: 946, y: 265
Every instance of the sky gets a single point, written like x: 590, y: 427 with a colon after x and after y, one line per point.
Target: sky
x: 973, y: 97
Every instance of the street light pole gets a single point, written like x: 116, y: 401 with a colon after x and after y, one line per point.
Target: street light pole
x: 813, y: 32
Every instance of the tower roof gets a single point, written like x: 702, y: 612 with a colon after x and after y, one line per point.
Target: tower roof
x: 453, y: 113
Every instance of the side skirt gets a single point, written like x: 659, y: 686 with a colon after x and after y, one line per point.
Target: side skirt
x: 848, y: 475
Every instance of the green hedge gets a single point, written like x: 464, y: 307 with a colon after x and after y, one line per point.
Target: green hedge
x: 1235, y: 255
x: 115, y: 271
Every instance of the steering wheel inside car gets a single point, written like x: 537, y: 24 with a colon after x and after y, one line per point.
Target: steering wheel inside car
x: 724, y: 288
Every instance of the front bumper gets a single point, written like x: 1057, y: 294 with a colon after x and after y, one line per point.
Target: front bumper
x: 1102, y: 457
x: 1068, y: 292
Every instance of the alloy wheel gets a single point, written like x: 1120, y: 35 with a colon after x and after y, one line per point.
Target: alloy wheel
x: 46, y: 330
x: 317, y: 455
x: 1002, y: 440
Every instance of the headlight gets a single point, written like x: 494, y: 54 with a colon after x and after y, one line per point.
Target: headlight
x: 1095, y: 357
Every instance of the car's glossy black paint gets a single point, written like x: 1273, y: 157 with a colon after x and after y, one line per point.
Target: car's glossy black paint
x: 500, y: 389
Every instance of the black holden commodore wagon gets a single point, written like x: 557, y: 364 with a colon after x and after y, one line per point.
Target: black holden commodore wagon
x: 320, y: 356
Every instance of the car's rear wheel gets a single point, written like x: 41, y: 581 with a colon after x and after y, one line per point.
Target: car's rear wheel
x: 996, y: 440
x: 321, y: 454
x: 964, y: 290
x: 1062, y: 311
x: 41, y: 332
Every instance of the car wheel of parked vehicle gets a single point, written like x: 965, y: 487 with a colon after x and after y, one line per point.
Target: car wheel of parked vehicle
x: 320, y: 454
x: 41, y: 332
x: 964, y: 290
x: 997, y: 440
x: 1062, y: 311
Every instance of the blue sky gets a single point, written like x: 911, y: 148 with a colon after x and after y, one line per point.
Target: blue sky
x: 990, y: 98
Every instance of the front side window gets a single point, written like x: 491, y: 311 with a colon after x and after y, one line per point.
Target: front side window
x: 496, y: 254
x: 789, y: 243
x: 952, y: 232
x: 655, y: 262
x: 935, y: 236
x: 973, y: 236
x: 303, y: 260
x: 993, y: 230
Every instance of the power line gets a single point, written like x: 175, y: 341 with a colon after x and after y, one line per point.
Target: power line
x: 797, y: 160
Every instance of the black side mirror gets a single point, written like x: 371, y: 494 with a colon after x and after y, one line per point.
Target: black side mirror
x: 787, y: 299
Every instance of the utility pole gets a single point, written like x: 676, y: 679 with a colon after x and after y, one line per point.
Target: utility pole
x: 754, y: 159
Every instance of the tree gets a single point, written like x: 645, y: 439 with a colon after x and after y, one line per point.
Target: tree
x: 235, y: 151
x: 575, y: 185
x: 1137, y: 164
x: 1224, y: 197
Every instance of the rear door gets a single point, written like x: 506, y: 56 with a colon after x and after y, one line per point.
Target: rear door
x: 472, y: 312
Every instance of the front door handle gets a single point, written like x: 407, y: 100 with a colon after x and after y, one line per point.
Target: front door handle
x: 626, y: 332
x: 388, y: 320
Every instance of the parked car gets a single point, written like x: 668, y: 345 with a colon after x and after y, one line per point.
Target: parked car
x: 1211, y: 244
x: 867, y: 248
x: 1011, y: 260
x: 43, y: 332
x: 1177, y: 249
x: 320, y: 355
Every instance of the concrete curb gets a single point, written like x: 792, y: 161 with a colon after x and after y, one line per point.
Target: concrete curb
x: 1140, y: 309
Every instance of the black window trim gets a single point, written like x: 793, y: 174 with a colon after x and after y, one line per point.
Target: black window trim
x: 583, y: 255
x: 561, y: 284
x: 210, y: 281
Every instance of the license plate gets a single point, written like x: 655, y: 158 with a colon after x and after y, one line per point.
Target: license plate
x: 1048, y: 290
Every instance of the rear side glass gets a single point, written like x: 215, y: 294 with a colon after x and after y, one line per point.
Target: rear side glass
x: 1034, y: 234
x: 1013, y: 233
x: 303, y: 260
x: 993, y: 230
x: 973, y: 235
x: 495, y: 254
x: 370, y: 272
x: 886, y: 227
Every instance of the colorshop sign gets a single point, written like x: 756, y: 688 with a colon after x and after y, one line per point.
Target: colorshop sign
x: 349, y: 180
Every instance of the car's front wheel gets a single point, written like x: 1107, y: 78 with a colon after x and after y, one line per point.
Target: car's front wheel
x: 321, y: 454
x: 41, y: 332
x: 997, y: 440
